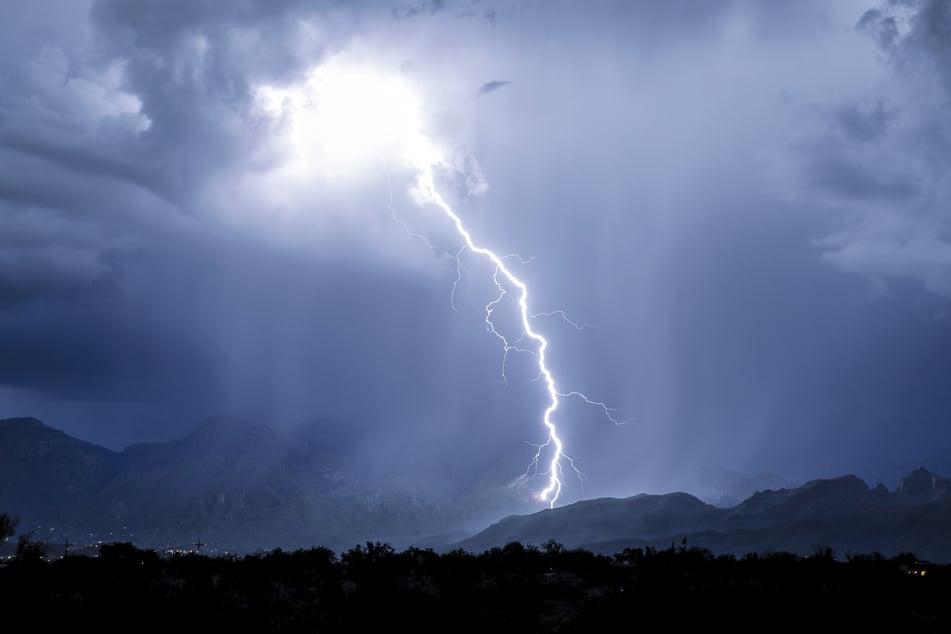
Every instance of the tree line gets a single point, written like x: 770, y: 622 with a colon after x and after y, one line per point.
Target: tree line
x: 516, y: 587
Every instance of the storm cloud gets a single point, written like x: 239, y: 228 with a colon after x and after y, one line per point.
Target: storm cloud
x: 750, y: 201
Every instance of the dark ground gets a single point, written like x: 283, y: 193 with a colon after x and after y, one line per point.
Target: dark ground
x: 515, y: 588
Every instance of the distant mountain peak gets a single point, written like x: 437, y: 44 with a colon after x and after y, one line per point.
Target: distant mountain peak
x: 725, y: 488
x: 28, y: 429
x: 922, y: 485
x: 848, y: 481
x: 225, y: 428
x: 24, y: 422
x: 223, y: 422
x: 43, y: 469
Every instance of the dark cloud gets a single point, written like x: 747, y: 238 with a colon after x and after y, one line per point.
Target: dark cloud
x: 192, y: 66
x: 484, y: 11
x: 430, y: 7
x: 893, y: 148
x: 925, y: 46
x: 864, y: 124
x: 77, y: 157
x: 846, y: 177
x: 882, y: 27
x: 495, y: 84
x: 931, y: 35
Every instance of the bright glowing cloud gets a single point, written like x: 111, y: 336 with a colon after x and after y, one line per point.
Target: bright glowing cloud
x: 345, y: 117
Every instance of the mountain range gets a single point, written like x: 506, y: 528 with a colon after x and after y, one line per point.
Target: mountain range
x: 244, y: 487
x: 843, y: 514
x: 231, y: 483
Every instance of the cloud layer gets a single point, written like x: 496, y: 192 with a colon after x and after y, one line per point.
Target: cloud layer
x: 749, y: 201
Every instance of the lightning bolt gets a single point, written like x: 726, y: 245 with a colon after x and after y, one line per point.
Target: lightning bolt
x: 507, y: 282
x: 342, y: 114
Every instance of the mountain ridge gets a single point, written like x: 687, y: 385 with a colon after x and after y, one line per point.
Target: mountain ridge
x: 242, y: 485
x: 843, y: 513
x: 246, y: 486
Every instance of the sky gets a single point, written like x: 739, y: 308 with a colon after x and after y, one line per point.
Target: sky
x: 748, y: 203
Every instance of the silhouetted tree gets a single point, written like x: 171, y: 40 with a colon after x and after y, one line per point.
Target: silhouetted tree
x: 29, y: 549
x: 374, y: 552
x: 8, y: 527
x: 121, y: 551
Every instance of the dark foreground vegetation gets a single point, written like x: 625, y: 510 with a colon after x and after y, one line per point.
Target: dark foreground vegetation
x: 515, y: 588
